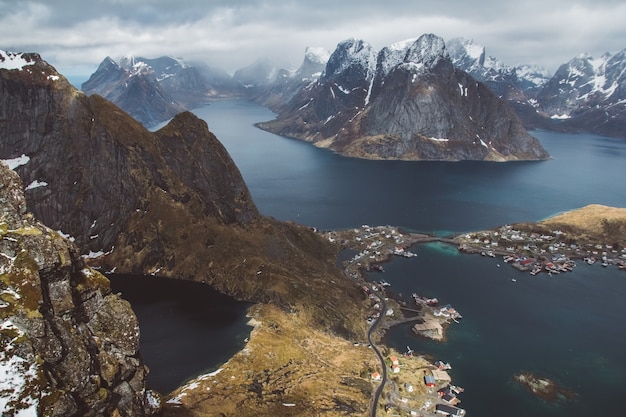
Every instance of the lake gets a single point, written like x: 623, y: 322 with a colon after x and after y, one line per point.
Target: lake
x: 187, y: 328
x: 568, y: 327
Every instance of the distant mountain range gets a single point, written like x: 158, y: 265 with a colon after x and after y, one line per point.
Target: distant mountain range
x: 584, y: 95
x: 154, y: 90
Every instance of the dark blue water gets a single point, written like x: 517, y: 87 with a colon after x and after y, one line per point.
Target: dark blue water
x: 570, y: 327
x: 187, y: 328
x: 293, y: 180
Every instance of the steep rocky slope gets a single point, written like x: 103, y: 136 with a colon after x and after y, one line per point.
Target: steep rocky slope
x: 170, y: 202
x: 405, y: 102
x: 69, y: 346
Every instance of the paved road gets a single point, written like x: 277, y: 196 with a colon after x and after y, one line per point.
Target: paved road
x: 371, y: 330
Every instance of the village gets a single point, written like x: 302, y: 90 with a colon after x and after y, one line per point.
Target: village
x: 551, y: 252
x: 415, y: 387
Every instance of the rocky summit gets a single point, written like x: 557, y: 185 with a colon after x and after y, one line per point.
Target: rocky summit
x: 407, y: 101
x: 69, y: 347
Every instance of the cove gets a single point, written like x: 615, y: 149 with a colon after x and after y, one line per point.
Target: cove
x: 187, y: 328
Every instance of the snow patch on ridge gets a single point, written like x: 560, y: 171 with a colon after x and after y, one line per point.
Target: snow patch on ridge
x: 13, y: 61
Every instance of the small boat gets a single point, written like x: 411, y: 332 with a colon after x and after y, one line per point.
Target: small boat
x: 513, y: 279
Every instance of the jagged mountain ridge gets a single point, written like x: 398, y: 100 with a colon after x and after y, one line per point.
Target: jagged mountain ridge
x: 507, y: 81
x: 404, y: 102
x: 69, y: 346
x: 588, y: 94
x: 584, y: 95
x: 154, y: 90
x: 170, y: 202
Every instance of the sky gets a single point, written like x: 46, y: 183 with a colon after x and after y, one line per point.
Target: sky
x: 76, y: 35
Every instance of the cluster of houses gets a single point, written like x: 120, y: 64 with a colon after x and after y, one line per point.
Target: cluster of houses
x: 535, y: 252
x: 437, y: 380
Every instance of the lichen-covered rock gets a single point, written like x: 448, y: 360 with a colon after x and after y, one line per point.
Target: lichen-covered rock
x: 68, y: 346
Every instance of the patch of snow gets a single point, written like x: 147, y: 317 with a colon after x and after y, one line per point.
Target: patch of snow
x: 215, y: 372
x: 463, y: 90
x: 439, y: 139
x: 93, y: 255
x: 560, y: 116
x: 16, y: 162
x: 304, y: 106
x: 369, y: 92
x: 473, y: 50
x: 13, y: 61
x: 153, y: 400
x: 36, y: 184
x: 332, y: 92
x: 66, y: 236
x: 94, y: 237
x: 342, y: 89
x: 482, y: 142
x: 16, y: 376
x: 413, y: 66
x: 53, y: 77
x: 402, y: 45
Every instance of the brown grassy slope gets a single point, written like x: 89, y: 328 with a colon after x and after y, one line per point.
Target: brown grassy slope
x: 593, y: 222
x: 287, y: 369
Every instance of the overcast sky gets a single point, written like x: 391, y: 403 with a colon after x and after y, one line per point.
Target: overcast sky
x: 76, y: 35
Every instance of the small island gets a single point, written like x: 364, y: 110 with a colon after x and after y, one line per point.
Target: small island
x: 544, y: 388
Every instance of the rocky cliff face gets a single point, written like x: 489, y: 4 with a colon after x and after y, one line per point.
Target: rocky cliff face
x: 154, y: 90
x: 69, y: 346
x: 405, y: 102
x: 170, y: 202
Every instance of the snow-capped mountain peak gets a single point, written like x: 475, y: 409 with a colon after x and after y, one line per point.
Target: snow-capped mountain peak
x: 351, y: 53
x: 428, y: 50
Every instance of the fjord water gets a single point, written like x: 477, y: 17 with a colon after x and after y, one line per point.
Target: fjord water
x: 568, y: 327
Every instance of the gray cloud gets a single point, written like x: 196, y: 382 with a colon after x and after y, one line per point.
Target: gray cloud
x: 75, y: 35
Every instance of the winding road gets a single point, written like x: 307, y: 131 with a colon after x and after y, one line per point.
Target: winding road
x: 371, y: 330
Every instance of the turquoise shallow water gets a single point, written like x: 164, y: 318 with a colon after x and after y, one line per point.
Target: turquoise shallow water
x: 569, y: 327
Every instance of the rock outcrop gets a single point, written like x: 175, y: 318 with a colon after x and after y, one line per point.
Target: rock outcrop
x: 69, y: 346
x: 405, y: 102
